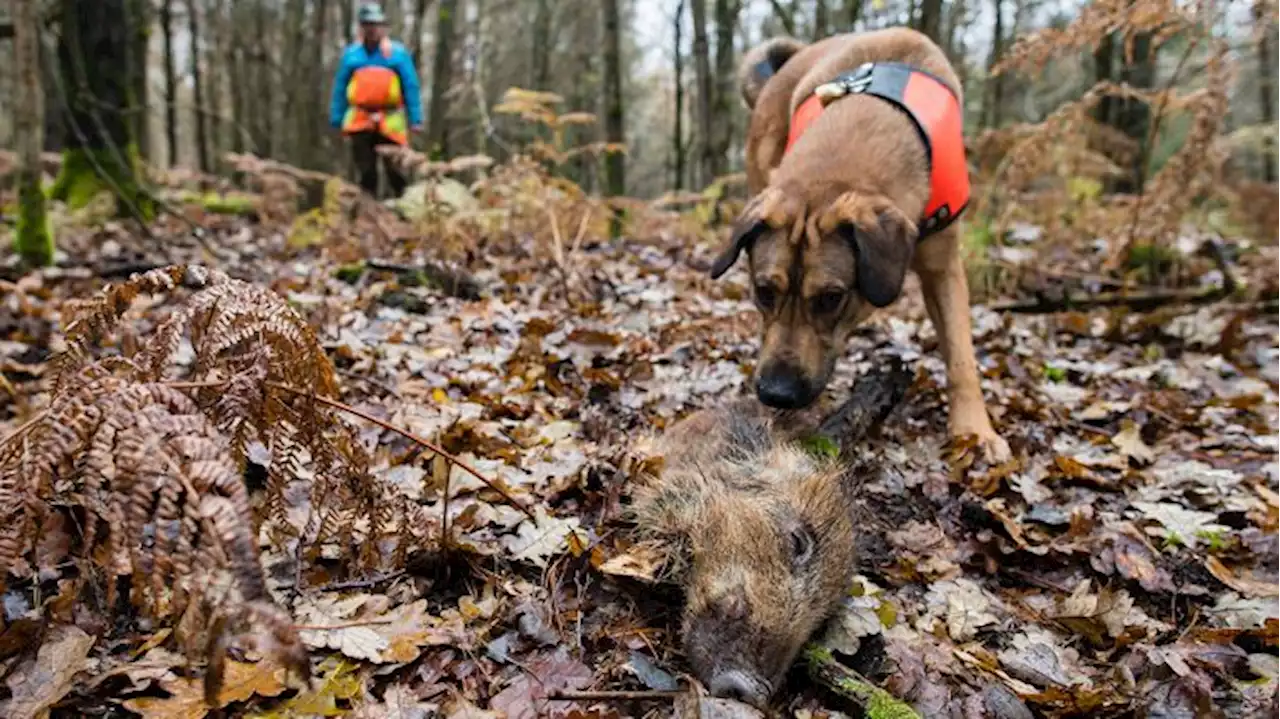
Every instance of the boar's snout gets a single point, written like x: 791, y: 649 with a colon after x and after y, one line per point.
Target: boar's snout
x: 741, y: 686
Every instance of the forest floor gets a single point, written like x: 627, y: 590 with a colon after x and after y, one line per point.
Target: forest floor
x: 1125, y: 564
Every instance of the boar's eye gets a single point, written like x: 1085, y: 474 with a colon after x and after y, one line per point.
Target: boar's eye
x: 801, y: 545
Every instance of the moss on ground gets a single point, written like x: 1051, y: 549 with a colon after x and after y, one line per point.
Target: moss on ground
x: 80, y: 181
x: 33, y: 238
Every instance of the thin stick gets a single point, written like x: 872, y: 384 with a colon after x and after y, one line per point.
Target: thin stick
x: 360, y: 583
x: 347, y: 625
x: 565, y: 695
x: 335, y: 404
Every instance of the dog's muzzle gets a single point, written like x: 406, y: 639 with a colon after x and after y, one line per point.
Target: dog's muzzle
x: 783, y: 386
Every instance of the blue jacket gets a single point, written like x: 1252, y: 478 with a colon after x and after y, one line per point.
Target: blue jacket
x: 356, y: 57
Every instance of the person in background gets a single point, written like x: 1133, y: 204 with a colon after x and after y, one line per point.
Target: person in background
x: 376, y: 86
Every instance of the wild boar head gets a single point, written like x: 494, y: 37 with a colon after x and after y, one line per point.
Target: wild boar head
x: 766, y: 539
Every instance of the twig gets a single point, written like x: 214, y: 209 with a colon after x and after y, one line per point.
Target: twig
x: 566, y: 695
x: 361, y: 583
x: 347, y: 625
x: 1135, y: 300
x: 335, y: 404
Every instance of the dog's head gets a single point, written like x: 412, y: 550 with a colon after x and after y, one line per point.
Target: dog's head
x: 818, y: 269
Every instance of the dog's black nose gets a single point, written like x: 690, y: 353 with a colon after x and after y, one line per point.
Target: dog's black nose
x: 784, y: 388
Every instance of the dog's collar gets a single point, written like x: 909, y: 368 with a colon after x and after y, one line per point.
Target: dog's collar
x: 934, y: 109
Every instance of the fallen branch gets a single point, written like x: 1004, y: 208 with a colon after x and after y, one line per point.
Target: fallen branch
x: 452, y: 281
x: 566, y: 695
x: 840, y: 679
x: 1140, y: 301
x: 873, y: 397
x: 335, y: 404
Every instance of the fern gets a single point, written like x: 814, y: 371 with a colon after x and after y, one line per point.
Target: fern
x: 147, y: 460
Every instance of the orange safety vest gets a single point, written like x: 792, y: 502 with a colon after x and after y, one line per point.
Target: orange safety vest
x: 375, y: 102
x: 934, y: 109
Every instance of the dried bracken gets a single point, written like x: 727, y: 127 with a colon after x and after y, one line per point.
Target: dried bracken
x: 149, y: 465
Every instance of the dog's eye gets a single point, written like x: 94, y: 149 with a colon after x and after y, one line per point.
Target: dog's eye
x: 766, y: 296
x: 826, y: 303
x: 801, y: 545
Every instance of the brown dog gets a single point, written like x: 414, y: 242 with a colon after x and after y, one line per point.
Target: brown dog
x: 847, y: 197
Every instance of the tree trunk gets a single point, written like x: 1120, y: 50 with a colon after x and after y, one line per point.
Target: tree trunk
x: 993, y: 100
x: 139, y: 20
x: 540, y: 72
x: 722, y: 99
x: 702, y: 76
x: 348, y: 22
x: 239, y: 76
x: 33, y: 238
x: 1135, y: 114
x: 101, y: 152
x: 264, y: 99
x: 314, y: 114
x: 677, y: 133
x: 930, y: 21
x: 415, y: 40
x: 785, y: 15
x: 202, y: 140
x: 821, y: 20
x: 170, y: 86
x: 852, y: 14
x: 441, y: 80
x: 614, y: 130
x: 1266, y: 50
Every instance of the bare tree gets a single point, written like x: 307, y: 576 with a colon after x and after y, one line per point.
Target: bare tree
x: 677, y: 132
x: 34, y: 241
x: 993, y: 100
x: 202, y: 139
x: 101, y: 152
x: 1265, y: 32
x: 138, y: 17
x: 441, y: 79
x: 415, y: 40
x: 930, y: 20
x: 821, y: 19
x: 615, y: 168
x: 170, y: 85
x: 702, y: 75
x: 540, y: 70
x: 722, y: 100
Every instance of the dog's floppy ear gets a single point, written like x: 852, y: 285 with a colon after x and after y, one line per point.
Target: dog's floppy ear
x: 745, y: 231
x: 768, y: 210
x: 883, y: 242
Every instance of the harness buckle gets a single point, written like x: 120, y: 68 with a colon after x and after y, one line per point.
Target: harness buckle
x: 854, y: 83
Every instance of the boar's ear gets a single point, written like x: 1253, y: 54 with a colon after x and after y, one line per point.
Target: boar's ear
x: 771, y: 209
x: 883, y: 243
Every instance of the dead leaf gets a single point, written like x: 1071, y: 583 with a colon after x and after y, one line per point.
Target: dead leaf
x: 640, y: 561
x: 538, y: 543
x: 1246, y: 586
x: 460, y: 708
x: 39, y: 683
x: 526, y: 696
x: 1036, y: 657
x: 395, y: 636
x: 1105, y: 614
x: 186, y: 696
x: 1129, y: 441
x: 340, y: 681
x: 1181, y: 525
x: 397, y: 702
x: 965, y: 607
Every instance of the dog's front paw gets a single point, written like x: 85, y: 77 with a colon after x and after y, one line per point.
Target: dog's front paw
x: 993, y: 447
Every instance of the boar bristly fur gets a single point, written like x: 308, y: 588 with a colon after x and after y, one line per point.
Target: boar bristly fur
x: 765, y: 534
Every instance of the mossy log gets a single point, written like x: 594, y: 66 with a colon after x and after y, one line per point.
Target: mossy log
x: 876, y: 703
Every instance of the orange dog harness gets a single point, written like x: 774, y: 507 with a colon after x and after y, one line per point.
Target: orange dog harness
x: 934, y: 109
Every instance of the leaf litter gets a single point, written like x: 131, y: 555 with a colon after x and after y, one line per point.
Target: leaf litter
x: 1127, y: 563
